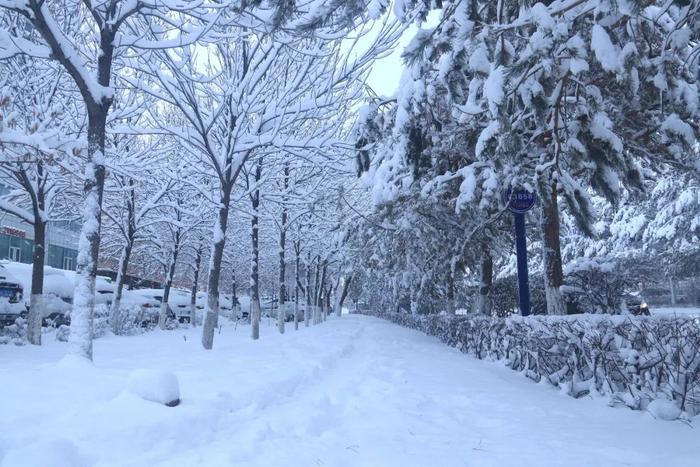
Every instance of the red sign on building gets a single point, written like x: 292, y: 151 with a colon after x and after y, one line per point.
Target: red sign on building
x: 13, y: 232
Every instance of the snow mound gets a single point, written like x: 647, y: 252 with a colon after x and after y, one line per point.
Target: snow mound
x: 55, y: 453
x: 155, y: 386
x: 74, y: 362
x: 664, y: 409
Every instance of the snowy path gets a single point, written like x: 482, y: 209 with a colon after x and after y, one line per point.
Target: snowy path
x: 351, y: 392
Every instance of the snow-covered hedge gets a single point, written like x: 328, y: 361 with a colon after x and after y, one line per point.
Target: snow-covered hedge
x: 630, y: 360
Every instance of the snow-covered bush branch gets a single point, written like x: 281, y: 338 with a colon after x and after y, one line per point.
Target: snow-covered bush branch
x: 631, y: 361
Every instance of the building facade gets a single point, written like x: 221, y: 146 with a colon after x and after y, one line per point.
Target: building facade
x: 17, y: 242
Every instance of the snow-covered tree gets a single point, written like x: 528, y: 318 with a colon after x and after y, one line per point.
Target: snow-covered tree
x: 568, y: 98
x: 40, y: 155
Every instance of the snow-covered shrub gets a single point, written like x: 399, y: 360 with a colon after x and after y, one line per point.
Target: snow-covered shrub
x: 15, y: 333
x: 101, y: 323
x: 133, y: 321
x: 591, y: 285
x: 631, y: 360
x: 63, y: 333
x: 504, y: 296
x: 597, y: 285
x: 155, y: 386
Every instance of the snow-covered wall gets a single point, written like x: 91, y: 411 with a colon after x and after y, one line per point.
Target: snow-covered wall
x: 639, y: 362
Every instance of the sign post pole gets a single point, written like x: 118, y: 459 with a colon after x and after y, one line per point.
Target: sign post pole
x: 519, y: 201
x: 521, y: 251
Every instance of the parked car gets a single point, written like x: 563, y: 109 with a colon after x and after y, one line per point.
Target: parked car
x: 236, y: 311
x: 58, y: 298
x: 12, y: 305
x: 59, y: 285
x: 149, y: 302
x: 635, y: 304
x: 179, y: 303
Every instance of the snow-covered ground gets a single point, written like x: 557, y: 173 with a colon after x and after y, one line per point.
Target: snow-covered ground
x: 354, y: 391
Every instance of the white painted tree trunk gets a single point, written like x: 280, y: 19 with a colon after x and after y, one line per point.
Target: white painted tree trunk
x: 551, y: 249
x: 82, y: 316
x: 36, y: 299
x: 281, y: 315
x: 336, y: 306
x: 672, y: 287
x: 115, y: 319
x: 555, y: 300
x: 211, y: 318
x: 255, y: 318
x: 296, y: 313
x: 339, y: 292
x: 308, y: 310
x: 450, y: 307
x: 34, y: 319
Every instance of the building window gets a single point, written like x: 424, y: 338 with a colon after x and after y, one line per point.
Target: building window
x: 68, y: 263
x: 15, y: 253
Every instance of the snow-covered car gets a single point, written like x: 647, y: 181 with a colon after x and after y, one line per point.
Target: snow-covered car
x: 59, y: 285
x: 635, y: 304
x: 12, y: 305
x: 179, y: 302
x: 148, y: 301
x: 288, y: 310
x: 58, y: 297
x: 242, y: 307
x: 104, y: 290
x: 226, y: 308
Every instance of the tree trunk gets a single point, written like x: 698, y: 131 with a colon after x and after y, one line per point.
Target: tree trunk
x: 255, y: 263
x: 36, y: 300
x: 82, y: 317
x: 234, y: 296
x: 163, y: 315
x: 195, y: 283
x: 297, y: 253
x: 483, y: 299
x: 115, y: 313
x: 343, y: 295
x: 553, y: 274
x: 307, y: 311
x: 672, y: 287
x: 450, y: 306
x: 340, y: 295
x: 211, y: 319
x: 235, y: 308
x: 281, y: 308
x: 415, y: 292
x: 319, y: 293
x: 281, y: 311
x: 327, y: 303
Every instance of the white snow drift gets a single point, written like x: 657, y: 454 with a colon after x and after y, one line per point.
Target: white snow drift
x: 354, y: 391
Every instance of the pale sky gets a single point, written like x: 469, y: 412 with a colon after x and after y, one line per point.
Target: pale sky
x: 386, y: 73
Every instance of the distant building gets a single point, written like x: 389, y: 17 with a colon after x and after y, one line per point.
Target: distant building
x: 17, y: 241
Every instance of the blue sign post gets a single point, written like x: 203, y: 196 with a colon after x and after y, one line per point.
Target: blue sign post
x: 519, y: 201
